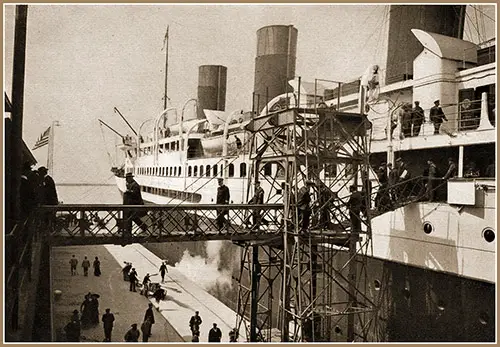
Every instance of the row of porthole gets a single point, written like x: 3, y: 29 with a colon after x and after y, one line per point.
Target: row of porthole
x: 487, y: 233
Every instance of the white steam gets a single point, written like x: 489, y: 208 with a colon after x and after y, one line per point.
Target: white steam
x: 207, y: 273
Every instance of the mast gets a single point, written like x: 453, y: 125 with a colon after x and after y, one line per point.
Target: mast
x: 165, y: 97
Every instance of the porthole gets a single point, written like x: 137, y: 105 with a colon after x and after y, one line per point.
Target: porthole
x: 376, y: 284
x: 489, y: 235
x: 440, y: 305
x: 483, y: 318
x: 338, y: 330
x: 428, y: 228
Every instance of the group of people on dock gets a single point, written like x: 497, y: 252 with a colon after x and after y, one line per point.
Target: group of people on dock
x: 214, y: 334
x: 73, y: 262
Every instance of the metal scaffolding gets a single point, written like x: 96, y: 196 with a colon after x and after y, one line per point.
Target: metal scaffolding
x: 321, y: 268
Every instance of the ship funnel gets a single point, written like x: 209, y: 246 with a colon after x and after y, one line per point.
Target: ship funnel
x: 403, y: 47
x: 274, y: 63
x: 212, y: 80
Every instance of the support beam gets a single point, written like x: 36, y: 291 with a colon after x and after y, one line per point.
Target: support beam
x: 256, y: 269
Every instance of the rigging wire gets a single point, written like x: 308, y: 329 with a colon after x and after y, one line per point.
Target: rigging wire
x: 483, y: 13
x: 111, y: 161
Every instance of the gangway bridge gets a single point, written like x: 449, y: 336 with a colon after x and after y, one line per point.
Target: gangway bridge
x: 71, y: 224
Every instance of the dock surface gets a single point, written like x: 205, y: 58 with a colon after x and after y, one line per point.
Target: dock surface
x: 172, y: 315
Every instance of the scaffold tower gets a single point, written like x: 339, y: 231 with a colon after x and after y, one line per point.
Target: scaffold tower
x: 310, y: 283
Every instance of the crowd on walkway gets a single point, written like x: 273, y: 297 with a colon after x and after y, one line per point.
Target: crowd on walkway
x: 37, y: 188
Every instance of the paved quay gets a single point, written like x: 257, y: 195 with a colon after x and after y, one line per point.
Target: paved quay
x: 127, y: 307
x: 172, y: 315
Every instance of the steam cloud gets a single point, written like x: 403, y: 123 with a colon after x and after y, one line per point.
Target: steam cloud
x: 208, y: 273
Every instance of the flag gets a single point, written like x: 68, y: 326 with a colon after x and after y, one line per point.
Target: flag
x: 42, y: 140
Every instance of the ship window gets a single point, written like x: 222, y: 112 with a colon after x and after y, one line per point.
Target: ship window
x: 175, y: 171
x: 231, y: 170
x: 440, y: 305
x: 221, y: 170
x: 167, y: 146
x: 428, y: 228
x: 189, y: 170
x: 215, y: 171
x: 489, y: 235
x: 195, y: 171
x: 376, y: 284
x: 338, y: 330
x: 208, y: 171
x: 201, y: 170
x: 179, y: 172
x: 177, y: 145
x: 243, y: 170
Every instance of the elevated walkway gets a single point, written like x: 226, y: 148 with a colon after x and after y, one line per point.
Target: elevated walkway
x: 107, y: 224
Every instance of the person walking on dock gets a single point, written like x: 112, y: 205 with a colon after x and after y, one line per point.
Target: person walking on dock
x: 214, y: 335
x: 304, y: 205
x: 194, y: 323
x: 73, y: 262
x: 126, y: 269
x: 132, y: 334
x: 132, y: 277
x: 107, y: 321
x: 222, y: 199
x: 85, y: 266
x: 163, y: 270
x: 146, y: 329
x: 150, y: 315
x: 97, y: 267
x: 437, y: 116
x: 132, y: 196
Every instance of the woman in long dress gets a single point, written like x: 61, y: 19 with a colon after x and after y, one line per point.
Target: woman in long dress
x: 97, y: 267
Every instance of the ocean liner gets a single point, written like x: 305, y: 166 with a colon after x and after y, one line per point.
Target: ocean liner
x: 434, y: 260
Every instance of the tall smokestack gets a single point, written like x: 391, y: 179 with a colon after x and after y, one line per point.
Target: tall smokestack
x: 403, y: 47
x: 274, y: 63
x: 212, y: 80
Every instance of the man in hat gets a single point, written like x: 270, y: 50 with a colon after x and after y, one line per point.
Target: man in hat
x: 107, y: 321
x: 28, y: 190
x: 417, y: 118
x: 150, y: 315
x: 214, y: 335
x: 194, y: 323
x: 132, y: 196
x: 304, y: 205
x: 406, y: 114
x: 222, y: 199
x: 48, y: 193
x: 355, y: 204
x: 257, y: 199
x: 436, y: 116
x: 132, y: 277
x: 133, y: 334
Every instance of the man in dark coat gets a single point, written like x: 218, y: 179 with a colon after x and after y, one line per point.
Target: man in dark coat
x: 417, y: 118
x: 72, y: 330
x: 436, y: 116
x: 107, y: 321
x: 194, y: 323
x: 150, y: 315
x: 48, y: 193
x: 452, y: 170
x: 304, y: 205
x: 133, y: 334
x: 354, y: 204
x: 257, y: 199
x: 405, y: 115
x: 146, y: 330
x: 132, y: 277
x: 214, y: 335
x: 132, y: 196
x: 163, y: 270
x: 223, y: 197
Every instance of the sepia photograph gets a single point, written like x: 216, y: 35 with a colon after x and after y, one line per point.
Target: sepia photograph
x: 226, y: 172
